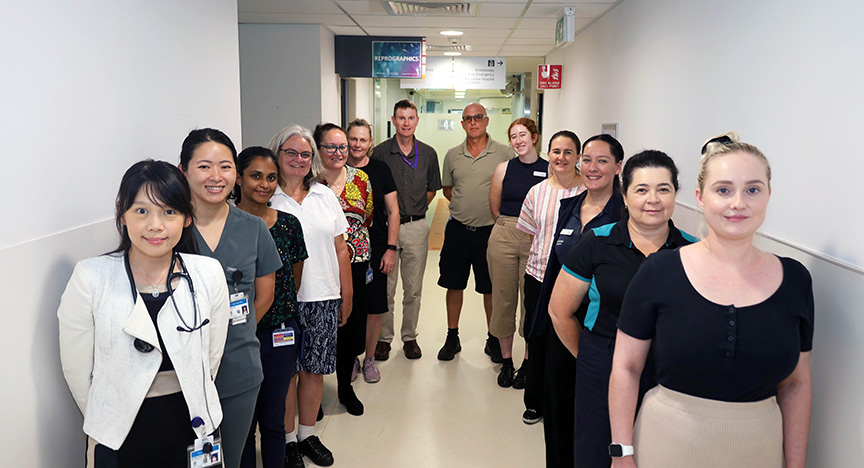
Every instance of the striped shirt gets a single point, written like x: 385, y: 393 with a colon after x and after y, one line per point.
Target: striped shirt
x: 539, y: 217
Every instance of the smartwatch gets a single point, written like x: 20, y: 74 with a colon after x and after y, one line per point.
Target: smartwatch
x: 391, y: 247
x: 618, y: 450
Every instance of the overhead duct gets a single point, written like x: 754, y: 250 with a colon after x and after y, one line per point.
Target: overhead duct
x: 430, y: 9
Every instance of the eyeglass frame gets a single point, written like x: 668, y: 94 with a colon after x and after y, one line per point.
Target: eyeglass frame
x: 343, y: 149
x: 475, y: 117
x: 304, y: 155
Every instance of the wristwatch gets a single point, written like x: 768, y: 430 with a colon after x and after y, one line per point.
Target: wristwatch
x: 618, y: 450
x: 391, y: 247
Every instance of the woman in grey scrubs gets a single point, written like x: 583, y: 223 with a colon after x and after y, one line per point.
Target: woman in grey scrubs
x: 243, y: 245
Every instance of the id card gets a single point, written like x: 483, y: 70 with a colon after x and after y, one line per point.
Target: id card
x: 539, y: 174
x: 283, y: 337
x: 566, y: 232
x: 205, y: 453
x: 239, y: 308
x: 369, y: 274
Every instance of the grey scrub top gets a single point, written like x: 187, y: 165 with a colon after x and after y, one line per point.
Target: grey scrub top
x: 247, y: 246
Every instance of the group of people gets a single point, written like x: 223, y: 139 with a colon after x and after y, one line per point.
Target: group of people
x: 295, y: 249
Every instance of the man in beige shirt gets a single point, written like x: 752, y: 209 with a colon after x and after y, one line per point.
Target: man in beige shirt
x: 466, y: 178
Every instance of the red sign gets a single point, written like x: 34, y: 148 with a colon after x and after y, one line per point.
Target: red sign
x: 549, y: 76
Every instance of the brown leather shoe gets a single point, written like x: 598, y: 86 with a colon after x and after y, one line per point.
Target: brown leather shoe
x: 382, y: 351
x: 412, y: 349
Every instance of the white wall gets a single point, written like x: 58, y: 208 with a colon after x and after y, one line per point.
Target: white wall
x: 287, y: 76
x: 89, y: 87
x: 786, y: 76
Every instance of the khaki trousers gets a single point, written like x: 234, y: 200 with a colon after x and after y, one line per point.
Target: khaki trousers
x: 412, y: 249
x: 507, y: 255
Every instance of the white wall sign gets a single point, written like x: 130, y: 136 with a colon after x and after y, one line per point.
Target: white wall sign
x: 461, y: 72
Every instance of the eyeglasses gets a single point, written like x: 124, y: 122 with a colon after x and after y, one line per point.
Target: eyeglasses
x: 293, y: 154
x: 469, y: 118
x: 331, y: 149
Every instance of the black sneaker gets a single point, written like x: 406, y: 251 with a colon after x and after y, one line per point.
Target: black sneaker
x: 349, y: 399
x: 521, y: 378
x: 531, y: 416
x: 450, y: 348
x: 293, y: 459
x: 493, y: 349
x: 316, y: 451
x: 505, y: 377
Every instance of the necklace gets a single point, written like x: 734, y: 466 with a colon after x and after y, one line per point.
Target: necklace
x: 155, y: 292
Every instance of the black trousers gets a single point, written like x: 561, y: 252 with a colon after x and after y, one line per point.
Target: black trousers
x: 592, y: 432
x: 558, y: 395
x: 351, y: 337
x: 533, y: 396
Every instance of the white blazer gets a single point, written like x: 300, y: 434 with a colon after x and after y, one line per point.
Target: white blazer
x: 99, y: 323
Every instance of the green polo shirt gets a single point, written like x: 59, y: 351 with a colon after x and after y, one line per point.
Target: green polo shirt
x: 471, y: 178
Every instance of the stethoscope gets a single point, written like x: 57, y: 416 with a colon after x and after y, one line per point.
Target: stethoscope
x: 183, y: 274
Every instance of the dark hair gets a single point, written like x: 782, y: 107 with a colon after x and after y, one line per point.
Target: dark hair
x: 648, y: 158
x: 200, y: 136
x: 614, y: 147
x: 404, y: 104
x: 165, y: 186
x: 245, y: 158
x: 324, y: 128
x: 566, y: 134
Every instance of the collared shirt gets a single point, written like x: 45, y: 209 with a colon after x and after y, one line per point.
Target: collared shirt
x: 471, y: 178
x: 607, y: 258
x: 415, y: 174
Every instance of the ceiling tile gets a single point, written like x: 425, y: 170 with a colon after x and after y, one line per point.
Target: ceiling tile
x: 292, y: 18
x: 590, y: 10
x: 362, y: 7
x: 537, y: 23
x: 346, y: 30
x: 433, y: 22
x: 498, y: 10
x: 281, y: 6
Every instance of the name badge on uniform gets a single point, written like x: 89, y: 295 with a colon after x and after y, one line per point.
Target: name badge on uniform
x: 539, y: 174
x: 369, y: 274
x: 283, y: 336
x: 566, y: 232
x: 206, y: 452
x: 239, y: 308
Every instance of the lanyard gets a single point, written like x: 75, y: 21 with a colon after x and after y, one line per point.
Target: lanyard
x: 416, y: 158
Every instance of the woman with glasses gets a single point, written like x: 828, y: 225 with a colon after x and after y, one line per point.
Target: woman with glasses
x: 325, y: 295
x: 243, y: 245
x: 509, y: 248
x: 134, y: 375
x: 352, y: 187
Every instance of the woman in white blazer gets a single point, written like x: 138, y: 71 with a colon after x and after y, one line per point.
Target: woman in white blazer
x: 140, y: 359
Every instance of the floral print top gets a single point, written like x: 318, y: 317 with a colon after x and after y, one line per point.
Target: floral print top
x: 288, y: 236
x: 356, y: 202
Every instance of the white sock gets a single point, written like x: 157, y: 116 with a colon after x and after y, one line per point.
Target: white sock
x: 291, y: 436
x: 303, y: 432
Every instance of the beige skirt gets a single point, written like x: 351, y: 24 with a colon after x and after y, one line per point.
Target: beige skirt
x: 676, y: 430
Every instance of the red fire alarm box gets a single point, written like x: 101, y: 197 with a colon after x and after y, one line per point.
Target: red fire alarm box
x: 548, y: 76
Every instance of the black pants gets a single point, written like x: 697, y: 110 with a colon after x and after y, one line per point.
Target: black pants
x: 592, y: 433
x: 351, y: 337
x: 280, y: 366
x: 559, y: 394
x: 533, y: 396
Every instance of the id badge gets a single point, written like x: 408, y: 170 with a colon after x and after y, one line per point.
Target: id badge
x: 206, y: 452
x: 283, y: 337
x: 566, y: 232
x: 369, y: 274
x: 239, y: 308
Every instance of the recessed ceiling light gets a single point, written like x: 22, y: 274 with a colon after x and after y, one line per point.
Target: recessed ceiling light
x: 452, y: 33
x: 453, y: 53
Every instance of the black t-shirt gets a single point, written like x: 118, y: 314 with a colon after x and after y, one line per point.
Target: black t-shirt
x: 382, y: 183
x: 606, y: 258
x: 721, y: 352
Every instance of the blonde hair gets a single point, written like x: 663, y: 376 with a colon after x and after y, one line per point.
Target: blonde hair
x: 723, y: 144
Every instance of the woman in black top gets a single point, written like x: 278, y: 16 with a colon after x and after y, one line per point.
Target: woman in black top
x: 601, y: 203
x: 604, y: 261
x: 731, y: 327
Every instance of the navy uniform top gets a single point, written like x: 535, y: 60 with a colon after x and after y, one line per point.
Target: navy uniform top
x: 606, y: 258
x: 518, y: 179
x: 718, y: 351
x: 567, y: 232
x: 415, y: 174
x: 245, y: 245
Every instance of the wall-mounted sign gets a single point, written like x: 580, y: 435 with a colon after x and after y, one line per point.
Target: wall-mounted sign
x: 565, y: 27
x: 609, y: 129
x: 397, y: 59
x: 462, y: 72
x: 548, y: 76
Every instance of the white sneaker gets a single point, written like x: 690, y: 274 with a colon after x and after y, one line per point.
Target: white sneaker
x: 370, y: 371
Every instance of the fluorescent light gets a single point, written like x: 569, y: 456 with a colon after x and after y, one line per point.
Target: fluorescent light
x: 452, y: 33
x: 460, y: 90
x: 452, y: 54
